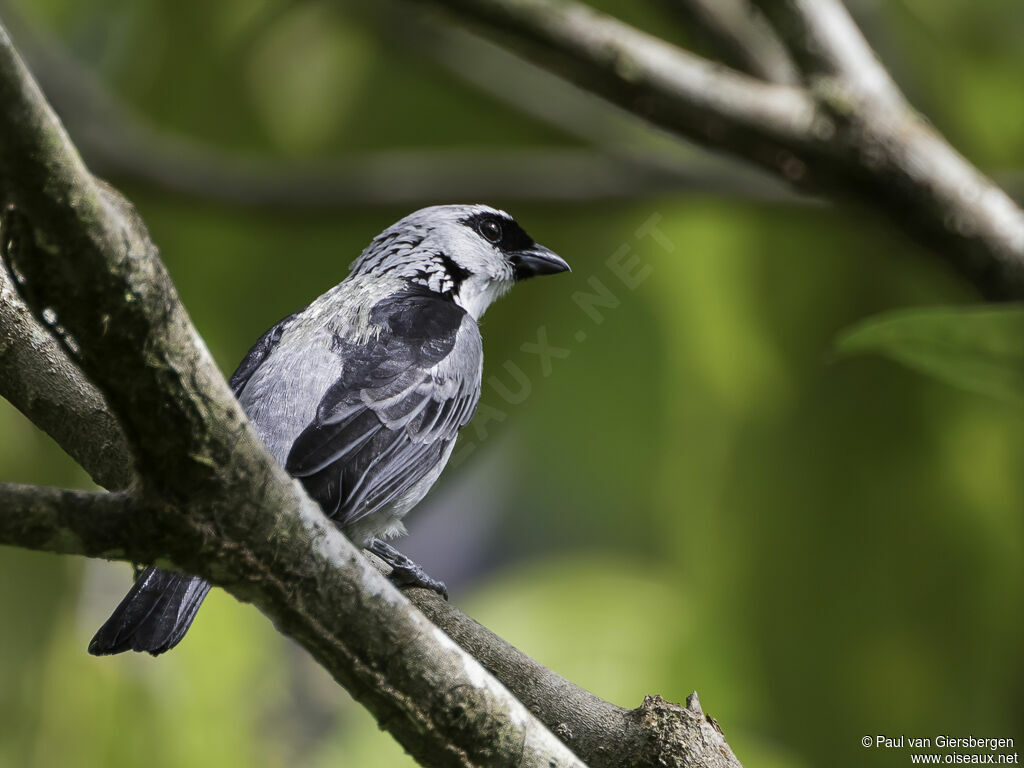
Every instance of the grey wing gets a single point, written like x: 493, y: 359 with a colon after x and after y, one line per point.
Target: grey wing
x: 393, y: 415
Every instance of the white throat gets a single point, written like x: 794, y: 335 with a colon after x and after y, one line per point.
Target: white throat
x: 476, y: 294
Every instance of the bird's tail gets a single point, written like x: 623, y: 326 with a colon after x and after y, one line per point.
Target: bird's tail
x: 154, y: 615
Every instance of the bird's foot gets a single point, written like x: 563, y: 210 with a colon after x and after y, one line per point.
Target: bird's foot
x: 405, y: 572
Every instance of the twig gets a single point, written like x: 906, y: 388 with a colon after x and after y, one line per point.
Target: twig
x: 825, y: 40
x: 106, y: 525
x: 742, y: 36
x: 41, y: 381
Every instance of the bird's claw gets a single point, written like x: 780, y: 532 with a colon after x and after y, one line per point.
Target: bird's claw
x: 413, y: 575
x: 405, y: 572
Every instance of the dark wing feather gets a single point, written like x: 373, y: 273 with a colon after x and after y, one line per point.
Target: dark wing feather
x: 390, y: 417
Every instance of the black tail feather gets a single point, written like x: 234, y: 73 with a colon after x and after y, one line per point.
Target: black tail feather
x: 154, y: 615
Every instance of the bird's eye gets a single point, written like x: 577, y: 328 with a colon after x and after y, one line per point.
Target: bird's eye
x: 490, y: 230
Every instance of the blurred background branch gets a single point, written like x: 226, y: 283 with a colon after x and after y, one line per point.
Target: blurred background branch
x: 119, y: 143
x: 825, y: 41
x: 852, y: 135
x: 742, y: 37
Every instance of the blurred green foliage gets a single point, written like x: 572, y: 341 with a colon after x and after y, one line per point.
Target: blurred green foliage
x: 695, y: 496
x: 974, y: 347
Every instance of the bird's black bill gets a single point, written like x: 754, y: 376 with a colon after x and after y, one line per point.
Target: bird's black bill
x: 537, y: 260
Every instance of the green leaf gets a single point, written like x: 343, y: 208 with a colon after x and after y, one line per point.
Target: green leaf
x: 978, y: 348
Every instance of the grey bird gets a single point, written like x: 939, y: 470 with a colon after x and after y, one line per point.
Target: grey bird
x: 361, y: 394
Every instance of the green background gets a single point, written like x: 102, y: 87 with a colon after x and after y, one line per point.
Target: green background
x: 695, y: 495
